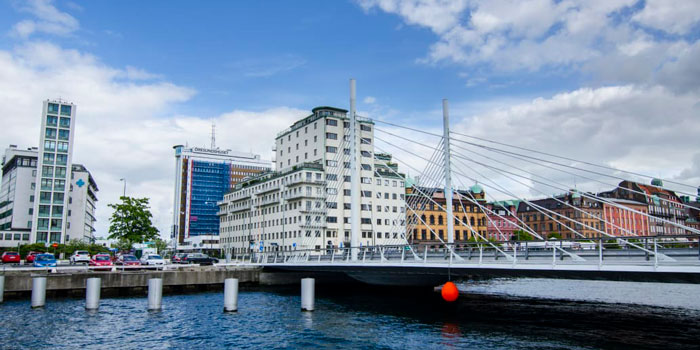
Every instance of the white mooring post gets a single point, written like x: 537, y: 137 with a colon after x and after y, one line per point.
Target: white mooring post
x: 231, y: 295
x: 38, y: 292
x: 307, y: 294
x: 2, y: 287
x: 155, y: 294
x: 92, y: 293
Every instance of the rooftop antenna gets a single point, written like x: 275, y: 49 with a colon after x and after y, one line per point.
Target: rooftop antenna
x: 213, y: 135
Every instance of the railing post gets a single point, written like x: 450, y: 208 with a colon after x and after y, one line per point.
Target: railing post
x: 425, y: 254
x: 561, y: 246
x: 646, y: 247
x: 332, y: 255
x: 527, y: 251
x: 515, y: 254
x: 481, y: 254
x: 403, y: 253
x: 554, y: 255
x: 656, y: 255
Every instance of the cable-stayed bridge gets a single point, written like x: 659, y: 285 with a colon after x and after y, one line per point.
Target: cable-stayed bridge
x: 633, y: 231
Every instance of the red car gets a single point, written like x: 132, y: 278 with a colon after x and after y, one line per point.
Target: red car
x: 101, y: 260
x: 128, y: 260
x: 10, y: 257
x: 30, y: 257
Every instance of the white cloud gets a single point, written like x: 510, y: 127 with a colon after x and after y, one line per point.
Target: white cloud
x: 125, y: 126
x: 676, y: 17
x: 49, y: 20
x: 649, y: 130
x: 369, y: 100
x: 534, y: 35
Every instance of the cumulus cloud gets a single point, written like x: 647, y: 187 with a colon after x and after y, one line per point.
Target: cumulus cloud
x: 125, y: 125
x: 598, y: 36
x: 48, y: 19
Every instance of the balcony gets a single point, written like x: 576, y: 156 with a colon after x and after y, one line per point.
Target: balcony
x: 305, y: 195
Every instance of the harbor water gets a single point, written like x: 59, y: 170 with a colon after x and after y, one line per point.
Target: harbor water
x: 491, y: 315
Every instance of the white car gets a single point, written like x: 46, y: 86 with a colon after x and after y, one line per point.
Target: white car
x: 80, y: 256
x: 152, y: 259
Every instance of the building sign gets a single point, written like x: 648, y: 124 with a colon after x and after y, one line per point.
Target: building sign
x: 211, y: 151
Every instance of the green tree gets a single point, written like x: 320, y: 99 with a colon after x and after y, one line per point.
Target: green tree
x: 554, y: 235
x: 131, y: 221
x: 521, y: 235
x: 161, y: 245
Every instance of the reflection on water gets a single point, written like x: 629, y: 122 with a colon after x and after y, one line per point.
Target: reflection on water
x: 359, y: 318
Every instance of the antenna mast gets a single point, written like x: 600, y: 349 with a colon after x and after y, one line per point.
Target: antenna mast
x: 213, y: 135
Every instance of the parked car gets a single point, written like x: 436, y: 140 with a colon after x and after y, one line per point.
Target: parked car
x: 128, y: 260
x: 152, y: 259
x: 177, y: 258
x: 10, y: 258
x: 45, y: 260
x: 30, y: 256
x: 199, y: 258
x: 101, y: 260
x: 80, y: 256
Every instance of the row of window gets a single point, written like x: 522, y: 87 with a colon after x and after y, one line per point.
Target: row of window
x: 54, y: 121
x: 53, y: 146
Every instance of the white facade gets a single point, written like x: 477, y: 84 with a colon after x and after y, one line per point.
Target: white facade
x: 81, y: 205
x: 202, y: 176
x: 53, y: 171
x: 306, y: 204
x: 18, y: 198
x: 17, y: 195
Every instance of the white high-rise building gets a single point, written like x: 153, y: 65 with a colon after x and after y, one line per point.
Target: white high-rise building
x: 53, y: 172
x: 17, y: 199
x: 306, y: 203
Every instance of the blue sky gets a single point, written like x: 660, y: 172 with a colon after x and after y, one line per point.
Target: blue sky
x: 610, y: 81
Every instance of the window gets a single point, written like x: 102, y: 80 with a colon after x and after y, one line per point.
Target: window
x: 366, y: 141
x: 46, y: 184
x: 49, y: 145
x: 60, y: 172
x: 62, y: 147
x: 52, y: 108
x: 65, y: 122
x: 331, y: 122
x: 48, y: 158
x: 331, y: 177
x: 366, y: 154
x: 332, y: 219
x: 61, y: 159
x: 50, y: 133
x: 331, y: 149
x: 47, y: 171
x: 331, y: 136
x: 331, y: 163
x: 365, y: 127
x: 63, y: 134
x: 366, y: 167
x: 65, y: 110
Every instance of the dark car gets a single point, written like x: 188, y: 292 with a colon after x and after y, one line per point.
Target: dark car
x: 199, y: 258
x: 10, y: 257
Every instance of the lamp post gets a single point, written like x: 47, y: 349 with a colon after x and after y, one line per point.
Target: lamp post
x: 124, y: 179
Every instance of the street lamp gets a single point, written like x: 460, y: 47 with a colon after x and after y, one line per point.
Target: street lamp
x: 124, y: 179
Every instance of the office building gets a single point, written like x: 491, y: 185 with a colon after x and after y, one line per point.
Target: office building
x: 306, y: 203
x: 202, y: 176
x: 53, y: 172
x: 17, y: 198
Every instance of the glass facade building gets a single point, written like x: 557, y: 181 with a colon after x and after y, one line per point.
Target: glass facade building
x: 202, y: 177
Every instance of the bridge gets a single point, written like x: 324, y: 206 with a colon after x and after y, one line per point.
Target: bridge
x: 632, y: 232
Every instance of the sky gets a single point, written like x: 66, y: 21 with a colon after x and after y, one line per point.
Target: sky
x: 615, y: 82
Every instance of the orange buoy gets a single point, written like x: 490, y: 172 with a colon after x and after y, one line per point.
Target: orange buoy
x: 449, y: 292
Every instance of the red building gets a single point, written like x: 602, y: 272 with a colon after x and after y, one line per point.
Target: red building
x: 501, y: 222
x: 627, y: 221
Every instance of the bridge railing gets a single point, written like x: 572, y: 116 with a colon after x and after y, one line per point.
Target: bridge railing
x: 657, y: 250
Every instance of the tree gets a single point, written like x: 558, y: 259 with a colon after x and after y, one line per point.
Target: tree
x: 554, y: 235
x: 131, y: 221
x: 161, y: 245
x: 520, y: 235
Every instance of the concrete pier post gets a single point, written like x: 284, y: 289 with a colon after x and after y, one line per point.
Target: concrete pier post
x: 38, y: 292
x: 2, y: 287
x: 307, y: 294
x: 155, y: 294
x: 231, y: 295
x: 92, y: 293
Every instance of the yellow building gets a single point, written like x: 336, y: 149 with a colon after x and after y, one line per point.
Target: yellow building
x: 425, y: 219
